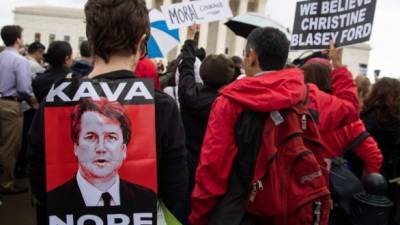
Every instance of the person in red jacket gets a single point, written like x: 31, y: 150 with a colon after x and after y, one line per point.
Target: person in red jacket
x: 267, y: 88
x: 336, y: 142
x: 145, y: 68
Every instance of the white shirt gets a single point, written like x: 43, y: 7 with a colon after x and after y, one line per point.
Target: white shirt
x: 263, y: 72
x: 92, y: 196
x: 256, y: 75
x: 35, y: 67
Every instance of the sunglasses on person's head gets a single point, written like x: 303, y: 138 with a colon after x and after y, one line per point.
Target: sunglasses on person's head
x: 143, y: 48
x: 143, y: 51
x: 246, y: 51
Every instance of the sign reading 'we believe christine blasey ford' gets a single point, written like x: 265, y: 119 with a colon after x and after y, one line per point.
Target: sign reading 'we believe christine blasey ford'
x: 346, y: 22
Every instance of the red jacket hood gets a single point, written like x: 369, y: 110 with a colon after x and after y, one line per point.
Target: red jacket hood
x: 268, y: 92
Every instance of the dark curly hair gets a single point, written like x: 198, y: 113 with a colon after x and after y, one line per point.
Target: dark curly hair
x: 384, y: 99
x: 116, y: 26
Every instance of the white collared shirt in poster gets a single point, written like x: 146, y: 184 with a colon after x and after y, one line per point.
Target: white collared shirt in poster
x: 92, y: 196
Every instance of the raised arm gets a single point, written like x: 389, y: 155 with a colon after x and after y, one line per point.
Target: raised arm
x: 188, y: 90
x: 341, y: 107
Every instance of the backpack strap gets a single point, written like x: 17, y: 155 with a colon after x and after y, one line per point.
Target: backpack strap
x: 306, y: 99
x: 174, y: 92
x: 364, y: 135
x: 249, y: 129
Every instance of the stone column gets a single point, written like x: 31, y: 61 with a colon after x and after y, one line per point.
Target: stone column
x: 221, y: 41
x: 167, y: 2
x: 261, y: 6
x: 240, y: 41
x: 203, y: 35
x: 149, y: 4
x: 173, y: 53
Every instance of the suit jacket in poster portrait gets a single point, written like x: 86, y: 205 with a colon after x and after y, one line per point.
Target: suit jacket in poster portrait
x: 67, y: 199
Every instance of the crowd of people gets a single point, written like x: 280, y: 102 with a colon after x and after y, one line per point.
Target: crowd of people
x: 199, y: 100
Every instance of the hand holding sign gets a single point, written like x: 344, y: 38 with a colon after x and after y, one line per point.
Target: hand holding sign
x: 336, y: 55
x: 192, y: 31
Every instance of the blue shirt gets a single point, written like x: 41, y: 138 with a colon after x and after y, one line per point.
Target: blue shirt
x: 15, y: 74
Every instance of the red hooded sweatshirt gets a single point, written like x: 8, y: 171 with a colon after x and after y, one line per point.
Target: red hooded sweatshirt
x: 145, y: 68
x: 269, y: 92
x: 337, y: 141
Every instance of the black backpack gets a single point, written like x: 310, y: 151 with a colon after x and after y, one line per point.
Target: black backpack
x: 343, y: 182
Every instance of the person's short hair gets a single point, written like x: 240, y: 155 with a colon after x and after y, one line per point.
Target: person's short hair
x: 110, y: 109
x: 318, y: 74
x: 116, y: 26
x: 363, y: 86
x: 10, y: 34
x: 84, y: 49
x: 217, y: 70
x: 237, y: 60
x: 201, y: 53
x: 35, y: 46
x: 271, y: 46
x: 57, y: 52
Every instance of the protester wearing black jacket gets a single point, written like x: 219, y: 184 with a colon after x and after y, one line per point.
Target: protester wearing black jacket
x: 83, y: 66
x: 196, y: 99
x: 117, y: 43
x: 381, y: 116
x: 59, y: 57
x: 170, y: 137
x: 42, y: 84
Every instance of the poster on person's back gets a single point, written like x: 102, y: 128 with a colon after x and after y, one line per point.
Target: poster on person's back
x: 100, y: 152
x: 346, y: 22
x: 202, y: 11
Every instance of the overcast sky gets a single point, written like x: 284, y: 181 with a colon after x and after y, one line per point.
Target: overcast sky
x: 385, y: 39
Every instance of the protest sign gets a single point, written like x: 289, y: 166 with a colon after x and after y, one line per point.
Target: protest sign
x: 100, y: 152
x: 346, y: 22
x: 202, y: 11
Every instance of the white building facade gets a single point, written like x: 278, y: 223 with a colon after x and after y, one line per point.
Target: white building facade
x: 48, y: 23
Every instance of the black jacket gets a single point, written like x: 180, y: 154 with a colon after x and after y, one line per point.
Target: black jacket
x: 387, y: 135
x: 171, y: 154
x: 81, y: 68
x: 43, y: 82
x: 195, y: 101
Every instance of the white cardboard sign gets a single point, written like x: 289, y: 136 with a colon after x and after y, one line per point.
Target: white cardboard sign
x: 202, y: 11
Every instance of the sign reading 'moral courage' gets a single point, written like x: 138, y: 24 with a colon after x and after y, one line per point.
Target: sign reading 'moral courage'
x: 346, y: 22
x: 202, y: 11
